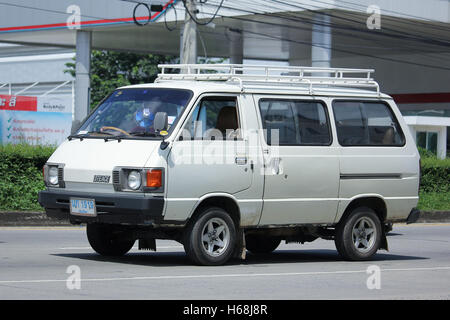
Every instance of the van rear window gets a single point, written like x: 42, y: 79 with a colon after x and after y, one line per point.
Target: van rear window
x: 366, y: 123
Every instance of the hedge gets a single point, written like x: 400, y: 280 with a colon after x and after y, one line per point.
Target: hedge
x: 21, y: 175
x: 435, y: 175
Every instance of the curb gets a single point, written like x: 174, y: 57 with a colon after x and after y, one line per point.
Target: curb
x: 26, y: 219
x: 17, y: 218
x: 433, y: 216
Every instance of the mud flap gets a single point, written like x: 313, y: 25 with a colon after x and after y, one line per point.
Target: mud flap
x: 240, y: 250
x: 383, y: 242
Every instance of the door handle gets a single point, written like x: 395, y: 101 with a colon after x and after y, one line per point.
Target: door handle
x: 241, y: 160
x: 276, y: 165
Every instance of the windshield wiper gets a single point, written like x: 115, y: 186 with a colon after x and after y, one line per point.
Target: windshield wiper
x: 101, y: 132
x: 133, y: 134
x: 144, y: 134
x: 76, y: 136
x: 84, y: 135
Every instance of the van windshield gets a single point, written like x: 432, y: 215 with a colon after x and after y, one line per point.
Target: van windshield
x: 131, y: 112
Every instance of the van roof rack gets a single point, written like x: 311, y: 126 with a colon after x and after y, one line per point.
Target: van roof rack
x: 262, y: 75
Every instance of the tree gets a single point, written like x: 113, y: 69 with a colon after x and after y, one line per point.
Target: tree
x: 112, y: 69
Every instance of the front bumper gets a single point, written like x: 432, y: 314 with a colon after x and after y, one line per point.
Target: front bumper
x: 131, y: 209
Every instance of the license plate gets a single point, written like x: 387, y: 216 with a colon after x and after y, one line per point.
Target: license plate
x: 82, y: 207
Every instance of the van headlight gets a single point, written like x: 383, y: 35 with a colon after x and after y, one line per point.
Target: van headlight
x: 53, y: 175
x: 134, y: 180
x: 138, y: 179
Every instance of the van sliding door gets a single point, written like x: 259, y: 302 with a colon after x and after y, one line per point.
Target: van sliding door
x: 301, y: 163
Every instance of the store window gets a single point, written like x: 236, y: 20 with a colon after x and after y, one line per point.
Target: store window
x: 427, y: 140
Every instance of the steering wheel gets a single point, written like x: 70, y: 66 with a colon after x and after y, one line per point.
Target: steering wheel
x: 115, y: 129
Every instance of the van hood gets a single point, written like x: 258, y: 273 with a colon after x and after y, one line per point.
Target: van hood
x: 83, y: 160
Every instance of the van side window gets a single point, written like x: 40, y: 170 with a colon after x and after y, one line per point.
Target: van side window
x: 295, y: 122
x: 366, y: 124
x: 214, y: 118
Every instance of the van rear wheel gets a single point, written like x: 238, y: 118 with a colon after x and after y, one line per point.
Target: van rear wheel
x: 108, y: 240
x: 211, y: 238
x: 358, y: 237
x: 258, y: 244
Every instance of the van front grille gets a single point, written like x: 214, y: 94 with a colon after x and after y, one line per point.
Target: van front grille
x: 61, y: 177
x: 116, y: 179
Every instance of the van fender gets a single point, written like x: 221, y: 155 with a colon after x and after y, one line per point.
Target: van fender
x: 211, y: 195
x: 239, y: 251
x: 345, y: 203
x: 342, y: 211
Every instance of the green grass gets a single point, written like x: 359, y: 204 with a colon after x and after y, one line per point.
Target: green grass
x: 434, y: 201
x: 430, y: 162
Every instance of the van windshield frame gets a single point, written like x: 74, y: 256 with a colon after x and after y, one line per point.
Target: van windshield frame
x: 129, y: 113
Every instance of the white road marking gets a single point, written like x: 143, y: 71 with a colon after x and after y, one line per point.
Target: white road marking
x: 85, y: 248
x: 33, y: 228
x: 237, y: 275
x: 169, y: 247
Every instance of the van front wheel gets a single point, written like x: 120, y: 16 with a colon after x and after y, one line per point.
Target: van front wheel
x: 108, y: 240
x: 211, y: 238
x: 358, y: 237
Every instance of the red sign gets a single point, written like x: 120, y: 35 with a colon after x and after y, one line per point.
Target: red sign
x: 18, y: 103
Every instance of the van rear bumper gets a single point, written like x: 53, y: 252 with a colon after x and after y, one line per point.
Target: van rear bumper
x: 133, y: 209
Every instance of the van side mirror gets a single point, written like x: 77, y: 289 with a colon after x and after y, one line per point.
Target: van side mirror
x: 161, y: 121
x: 160, y: 124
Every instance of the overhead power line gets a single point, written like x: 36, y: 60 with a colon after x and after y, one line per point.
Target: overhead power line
x: 310, y: 22
x: 336, y: 26
x: 326, y: 47
x: 171, y: 6
x: 393, y: 31
x: 259, y: 34
x: 195, y: 19
x: 401, y: 14
x: 51, y: 11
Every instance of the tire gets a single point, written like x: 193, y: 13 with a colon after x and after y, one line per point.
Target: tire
x: 210, y: 239
x: 358, y: 237
x: 106, y: 240
x: 259, y: 244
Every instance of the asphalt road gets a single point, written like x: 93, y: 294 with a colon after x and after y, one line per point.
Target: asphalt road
x: 34, y: 261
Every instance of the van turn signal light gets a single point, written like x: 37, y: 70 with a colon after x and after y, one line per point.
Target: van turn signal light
x: 154, y: 178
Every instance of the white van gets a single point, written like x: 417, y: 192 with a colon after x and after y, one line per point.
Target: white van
x: 228, y: 158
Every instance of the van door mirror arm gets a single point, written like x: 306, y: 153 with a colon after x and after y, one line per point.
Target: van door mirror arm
x: 164, y: 144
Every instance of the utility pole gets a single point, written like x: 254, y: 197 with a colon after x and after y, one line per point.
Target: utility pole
x: 236, y: 46
x: 188, y: 52
x: 321, y: 43
x: 82, y: 77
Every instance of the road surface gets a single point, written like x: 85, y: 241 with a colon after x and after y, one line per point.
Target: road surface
x: 34, y: 264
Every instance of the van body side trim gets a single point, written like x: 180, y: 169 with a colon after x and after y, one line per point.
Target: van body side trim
x: 303, y: 199
x: 371, y: 176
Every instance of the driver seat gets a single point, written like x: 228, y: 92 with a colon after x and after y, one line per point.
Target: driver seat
x: 227, y: 120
